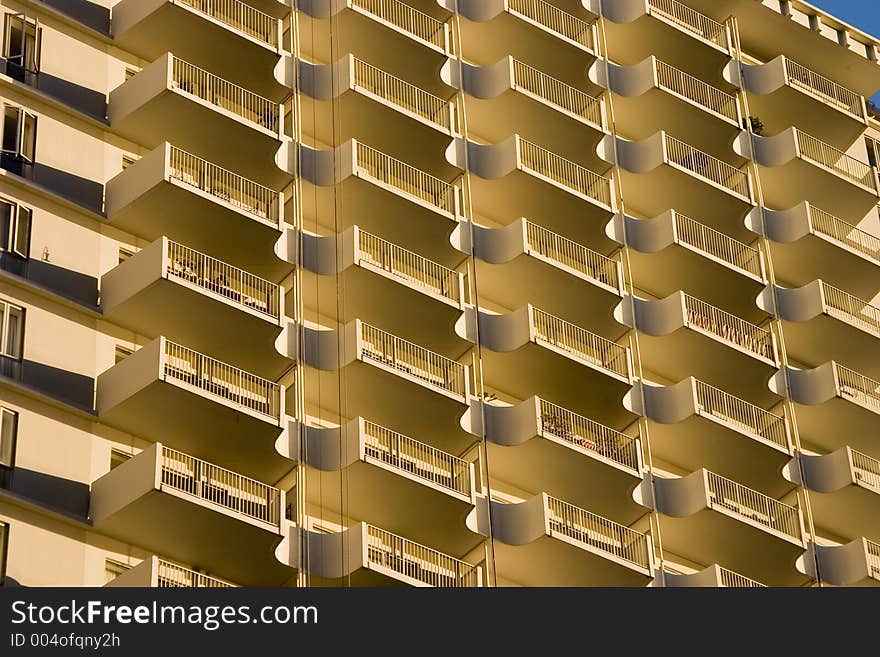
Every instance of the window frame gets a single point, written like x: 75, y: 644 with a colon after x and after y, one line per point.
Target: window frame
x: 5, y: 528
x: 19, y: 151
x: 18, y: 239
x: 4, y: 329
x: 15, y: 418
x: 29, y: 61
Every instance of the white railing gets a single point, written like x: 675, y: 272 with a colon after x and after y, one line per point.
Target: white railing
x: 823, y: 88
x: 416, y: 458
x: 825, y: 155
x: 583, y: 432
x: 694, y: 89
x: 580, y: 343
x: 383, y: 347
x: 418, y: 562
x: 729, y: 327
x: 851, y: 309
x: 717, y: 244
x: 690, y: 20
x: 244, y: 194
x: 845, y: 233
x: 570, y: 254
x: 219, y: 486
x: 410, y: 20
x: 763, y: 509
x: 858, y: 387
x: 707, y: 166
x: 555, y: 20
x: 224, y: 94
x: 873, y: 550
x: 866, y: 469
x: 742, y: 414
x: 410, y: 266
x: 598, y: 532
x: 220, y: 278
x: 240, y: 16
x: 558, y: 93
x: 581, y: 180
x: 216, y: 378
x: 406, y: 178
x: 732, y: 580
x: 170, y: 575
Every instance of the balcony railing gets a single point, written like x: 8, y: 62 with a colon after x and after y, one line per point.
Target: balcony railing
x: 825, y: 155
x: 172, y: 576
x: 419, y: 459
x: 418, y: 562
x: 410, y: 266
x: 570, y: 254
x: 873, y: 550
x: 851, y: 309
x: 580, y: 342
x: 826, y: 90
x: 558, y: 93
x: 690, y: 20
x: 409, y: 358
x: 730, y: 328
x: 866, y: 469
x: 694, y: 89
x: 403, y: 94
x: 858, y: 387
x: 732, y: 580
x: 410, y: 20
x: 756, y: 506
x: 583, y: 432
x: 216, y: 378
x: 858, y: 240
x: 239, y: 16
x: 224, y: 94
x: 717, y: 244
x: 406, y: 178
x: 580, y: 180
x: 747, y: 417
x: 230, y: 282
x: 219, y: 486
x: 555, y: 20
x: 598, y: 532
x: 708, y: 167
x: 224, y: 185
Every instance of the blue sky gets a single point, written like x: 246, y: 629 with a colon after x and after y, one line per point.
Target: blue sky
x: 863, y: 14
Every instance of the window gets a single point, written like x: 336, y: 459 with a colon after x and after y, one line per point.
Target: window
x: 124, y: 254
x: 11, y: 338
x: 128, y: 160
x: 113, y: 569
x: 117, y: 458
x: 122, y: 353
x: 21, y: 44
x: 8, y: 434
x: 873, y: 147
x: 130, y: 73
x: 15, y: 228
x: 4, y: 544
x: 19, y: 134
x: 814, y: 22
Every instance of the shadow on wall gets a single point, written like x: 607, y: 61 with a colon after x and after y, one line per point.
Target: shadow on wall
x: 74, y: 389
x: 82, y: 191
x: 73, y: 285
x: 87, y: 13
x: 71, y: 496
x: 88, y: 101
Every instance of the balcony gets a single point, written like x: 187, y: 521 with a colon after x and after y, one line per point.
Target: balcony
x: 708, y: 518
x: 712, y: 577
x: 856, y: 563
x: 591, y: 463
x: 524, y: 262
x: 155, y: 572
x: 171, y: 503
x: 172, y: 193
x: 197, y: 404
x: 227, y: 310
x: 228, y: 37
x: 173, y: 100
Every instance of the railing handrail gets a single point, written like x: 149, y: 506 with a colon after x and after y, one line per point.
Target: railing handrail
x: 729, y: 327
x: 707, y: 166
x: 752, y: 418
x: 717, y: 244
x: 858, y: 386
x: 830, y: 157
x: 691, y: 20
x: 866, y: 468
x: 580, y: 179
x: 558, y: 93
x: 872, y: 548
x: 858, y: 311
x: 581, y: 342
x: 731, y: 579
x: 704, y: 94
x: 859, y: 240
x: 407, y: 18
x: 825, y: 88
x: 556, y: 20
x: 171, y: 575
x: 749, y: 503
x: 573, y: 255
x: 240, y: 16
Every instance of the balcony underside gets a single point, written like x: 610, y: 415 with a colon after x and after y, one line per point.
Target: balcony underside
x: 811, y: 257
x: 369, y: 576
x: 826, y: 338
x: 848, y: 513
x: 840, y: 422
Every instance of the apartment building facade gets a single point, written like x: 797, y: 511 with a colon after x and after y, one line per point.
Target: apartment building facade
x: 457, y: 293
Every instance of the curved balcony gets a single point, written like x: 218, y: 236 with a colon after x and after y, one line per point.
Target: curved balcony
x: 230, y: 38
x: 169, y: 502
x: 155, y: 572
x: 591, y: 463
x: 854, y: 564
x: 712, y: 577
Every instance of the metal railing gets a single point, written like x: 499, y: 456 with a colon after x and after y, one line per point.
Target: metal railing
x: 216, y: 378
x: 558, y: 93
x: 827, y: 90
x: 866, y: 469
x: 403, y: 94
x: 570, y: 254
x: 707, y: 166
x: 406, y: 178
x: 246, y: 195
x: 873, y: 550
x: 729, y: 328
x: 410, y: 266
x: 580, y: 342
x: 845, y: 233
x: 818, y: 152
x: 690, y: 20
x: 732, y: 580
x: 851, y: 309
x: 763, y: 509
x: 581, y: 180
x: 418, y: 562
x: 858, y: 387
x: 748, y: 417
x: 598, y: 532
x: 410, y: 20
x: 224, y: 94
x: 383, y: 347
x: 583, y: 432
x: 717, y: 244
x: 219, y: 486
x: 170, y: 575
x: 703, y: 94
x: 220, y: 278
x: 419, y: 459
x: 239, y: 16
x: 555, y: 20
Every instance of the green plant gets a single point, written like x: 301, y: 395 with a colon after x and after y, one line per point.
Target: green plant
x: 756, y: 125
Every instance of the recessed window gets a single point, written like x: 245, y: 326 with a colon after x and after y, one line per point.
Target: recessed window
x: 113, y: 569
x: 130, y: 72
x: 15, y: 228
x: 873, y: 148
x: 11, y: 338
x: 4, y: 545
x: 21, y: 44
x: 125, y: 254
x: 128, y: 160
x: 19, y: 133
x: 8, y: 437
x: 121, y: 353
